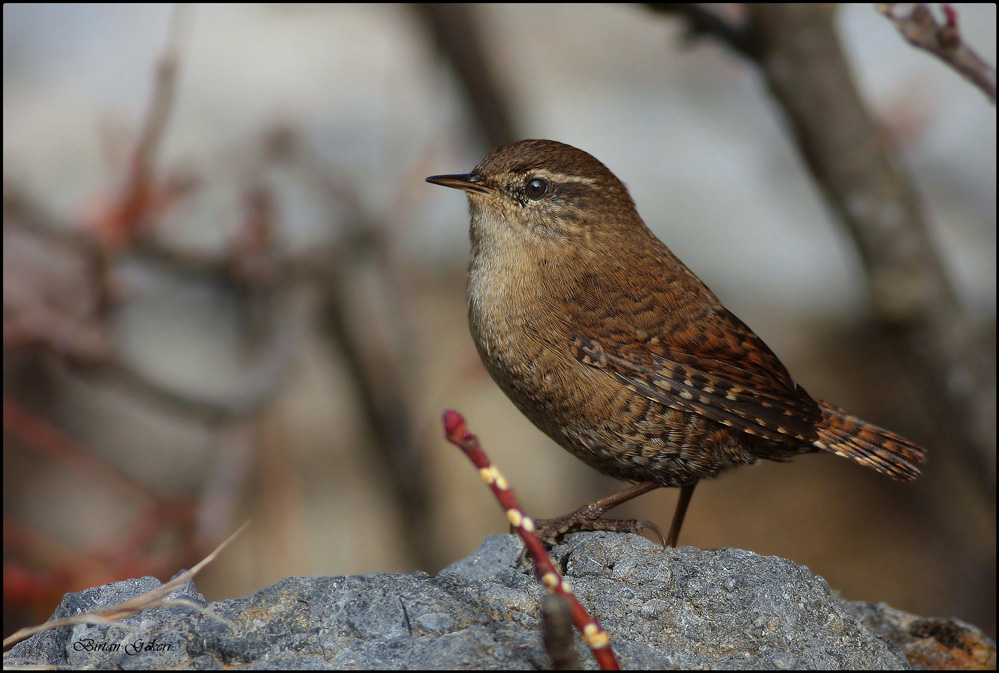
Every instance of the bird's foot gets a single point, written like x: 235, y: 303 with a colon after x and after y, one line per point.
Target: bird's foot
x: 553, y: 530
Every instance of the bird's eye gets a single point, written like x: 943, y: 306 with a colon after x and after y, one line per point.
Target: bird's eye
x: 536, y: 188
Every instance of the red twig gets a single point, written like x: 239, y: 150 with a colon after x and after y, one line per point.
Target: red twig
x: 50, y: 441
x: 143, y: 195
x: 593, y: 634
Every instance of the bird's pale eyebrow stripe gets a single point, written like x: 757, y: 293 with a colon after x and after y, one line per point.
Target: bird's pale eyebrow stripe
x: 561, y: 177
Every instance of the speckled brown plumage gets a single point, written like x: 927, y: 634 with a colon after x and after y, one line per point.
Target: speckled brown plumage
x: 615, y: 349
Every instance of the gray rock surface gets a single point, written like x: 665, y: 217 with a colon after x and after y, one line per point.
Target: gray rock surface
x: 928, y: 643
x: 663, y: 608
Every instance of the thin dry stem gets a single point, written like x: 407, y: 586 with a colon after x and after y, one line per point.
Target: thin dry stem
x: 151, y: 599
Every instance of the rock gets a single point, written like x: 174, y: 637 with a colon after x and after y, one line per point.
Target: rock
x: 663, y: 608
x: 929, y: 644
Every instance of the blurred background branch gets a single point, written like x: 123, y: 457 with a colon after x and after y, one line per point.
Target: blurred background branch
x: 916, y: 23
x: 457, y: 35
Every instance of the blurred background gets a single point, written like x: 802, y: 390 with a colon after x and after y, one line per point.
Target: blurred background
x: 230, y: 295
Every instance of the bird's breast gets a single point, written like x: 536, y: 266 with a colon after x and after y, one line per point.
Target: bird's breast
x: 520, y: 330
x: 523, y: 335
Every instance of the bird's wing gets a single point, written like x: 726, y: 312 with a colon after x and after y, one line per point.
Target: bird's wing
x: 712, y: 365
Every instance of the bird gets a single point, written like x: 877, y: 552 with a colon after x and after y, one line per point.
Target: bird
x: 618, y: 352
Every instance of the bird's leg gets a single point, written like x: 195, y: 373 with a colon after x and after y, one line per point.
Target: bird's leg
x: 686, y: 491
x: 588, y: 517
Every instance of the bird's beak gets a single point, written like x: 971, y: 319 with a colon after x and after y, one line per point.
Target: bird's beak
x: 470, y: 182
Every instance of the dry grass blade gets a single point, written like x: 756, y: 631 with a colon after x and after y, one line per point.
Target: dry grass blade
x: 115, y: 613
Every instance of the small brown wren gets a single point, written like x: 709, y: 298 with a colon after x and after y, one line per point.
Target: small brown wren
x: 617, y: 351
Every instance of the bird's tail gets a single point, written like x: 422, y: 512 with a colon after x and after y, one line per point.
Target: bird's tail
x: 867, y: 444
